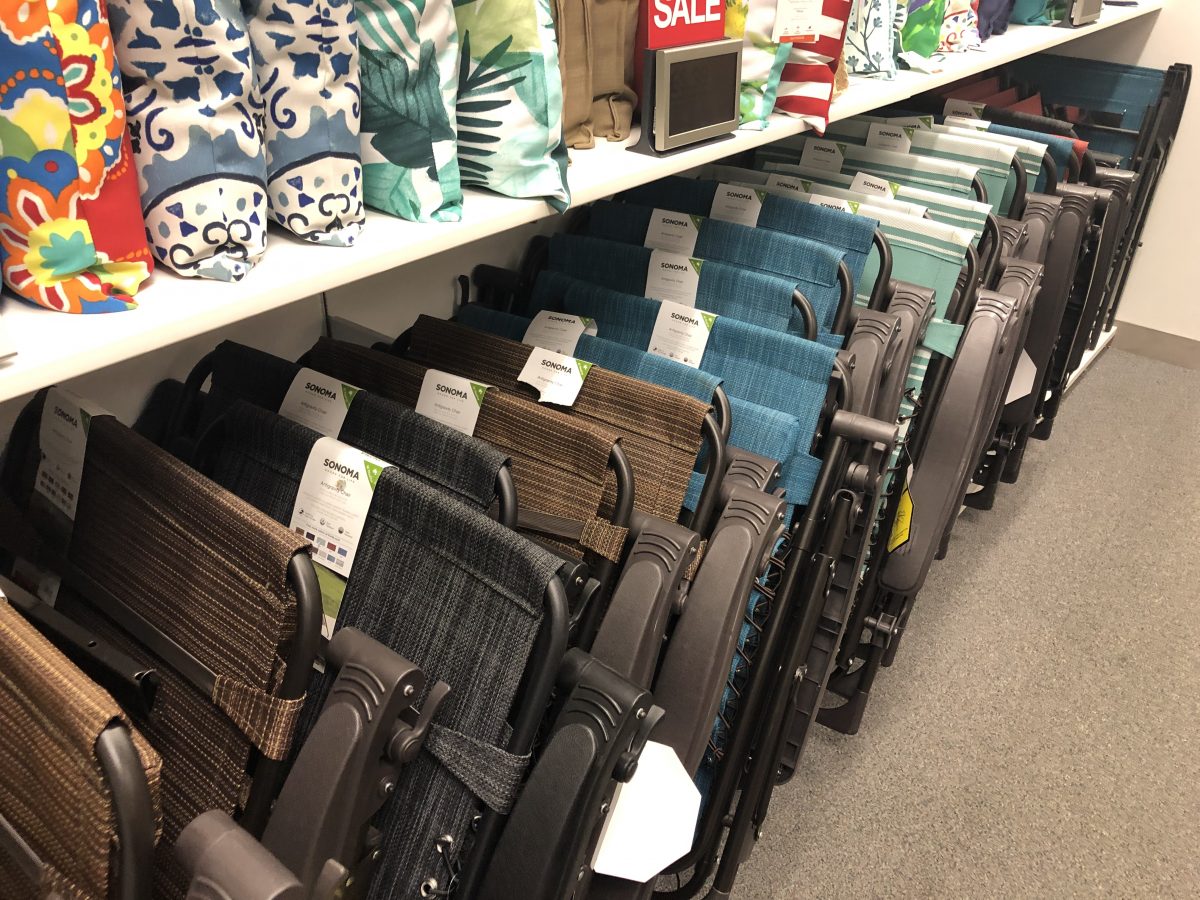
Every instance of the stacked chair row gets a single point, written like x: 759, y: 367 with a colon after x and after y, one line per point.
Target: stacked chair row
x: 786, y: 377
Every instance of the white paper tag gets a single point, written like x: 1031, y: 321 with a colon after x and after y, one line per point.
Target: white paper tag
x: 921, y: 123
x: 652, y: 821
x: 673, y: 231
x: 318, y: 401
x: 674, y: 277
x: 1022, y: 380
x: 331, y: 510
x: 451, y: 400
x: 919, y: 63
x: 967, y: 122
x: 897, y: 138
x: 681, y: 333
x: 40, y: 582
x: 62, y: 437
x: 790, y: 184
x: 797, y: 21
x: 865, y: 183
x: 835, y: 203
x: 822, y: 155
x: 558, y: 378
x: 737, y: 203
x: 967, y: 109
x: 557, y: 331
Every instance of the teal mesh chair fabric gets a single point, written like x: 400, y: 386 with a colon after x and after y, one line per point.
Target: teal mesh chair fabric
x: 723, y: 289
x: 813, y: 266
x: 755, y: 428
x: 1061, y: 149
x: 469, y: 619
x: 770, y: 368
x: 845, y: 233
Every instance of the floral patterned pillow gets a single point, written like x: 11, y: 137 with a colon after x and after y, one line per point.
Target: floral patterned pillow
x: 71, y: 234
x: 509, y: 112
x: 871, y: 38
x: 960, y: 27
x: 196, y: 121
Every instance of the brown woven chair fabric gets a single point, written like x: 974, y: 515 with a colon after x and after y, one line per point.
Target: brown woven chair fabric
x: 559, y: 464
x: 52, y: 788
x: 210, y: 571
x: 659, y: 427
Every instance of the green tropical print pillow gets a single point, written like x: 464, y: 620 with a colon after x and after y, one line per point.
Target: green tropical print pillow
x: 922, y: 31
x: 509, y: 112
x: 408, y: 64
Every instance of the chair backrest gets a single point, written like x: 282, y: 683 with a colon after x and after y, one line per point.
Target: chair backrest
x: 560, y: 464
x: 56, y: 788
x: 660, y: 429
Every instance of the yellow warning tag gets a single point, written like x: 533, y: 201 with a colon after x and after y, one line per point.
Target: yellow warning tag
x: 903, y: 521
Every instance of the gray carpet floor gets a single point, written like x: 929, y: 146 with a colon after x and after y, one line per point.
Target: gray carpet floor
x: 1039, y: 733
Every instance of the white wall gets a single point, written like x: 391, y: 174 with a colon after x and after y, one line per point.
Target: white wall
x: 1163, y: 291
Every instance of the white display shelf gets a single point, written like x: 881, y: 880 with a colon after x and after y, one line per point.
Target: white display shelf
x: 54, y: 347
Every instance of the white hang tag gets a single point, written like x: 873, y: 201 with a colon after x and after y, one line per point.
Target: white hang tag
x: 557, y: 331
x: 681, y: 333
x: 1022, y: 380
x: 451, y: 400
x: 737, y: 203
x: 330, y: 513
x: 849, y: 206
x: 40, y: 582
x: 865, y: 183
x: 672, y: 231
x: 318, y: 401
x: 790, y: 184
x: 671, y: 276
x: 797, y: 21
x: 921, y: 123
x: 652, y: 820
x: 919, y: 63
x: 967, y: 109
x: 967, y: 122
x: 823, y: 156
x: 558, y: 378
x: 62, y: 439
x: 897, y: 138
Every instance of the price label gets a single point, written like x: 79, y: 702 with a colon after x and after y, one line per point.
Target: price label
x: 451, y: 400
x: 671, y: 276
x: 673, y: 231
x: 681, y: 333
x: 557, y: 331
x: 318, y: 402
x: 558, y: 378
x: 737, y: 203
x: 823, y: 156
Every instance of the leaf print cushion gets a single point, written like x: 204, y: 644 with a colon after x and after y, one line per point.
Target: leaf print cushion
x: 509, y: 113
x: 408, y: 66
x: 196, y: 121
x: 306, y: 66
x: 871, y: 38
x: 72, y: 237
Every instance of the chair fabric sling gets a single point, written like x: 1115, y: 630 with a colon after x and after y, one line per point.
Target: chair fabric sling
x: 774, y: 369
x: 843, y: 233
x: 723, y: 288
x: 462, y: 466
x: 559, y: 464
x: 812, y: 265
x: 1030, y: 151
x: 660, y: 429
x: 1061, y: 149
x: 53, y: 789
x: 448, y: 589
x: 211, y: 572
x: 754, y: 428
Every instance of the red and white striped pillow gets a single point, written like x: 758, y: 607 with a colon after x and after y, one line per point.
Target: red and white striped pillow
x: 806, y: 87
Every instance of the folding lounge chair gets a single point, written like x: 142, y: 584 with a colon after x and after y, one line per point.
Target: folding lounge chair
x: 220, y: 601
x: 500, y: 661
x: 79, y: 787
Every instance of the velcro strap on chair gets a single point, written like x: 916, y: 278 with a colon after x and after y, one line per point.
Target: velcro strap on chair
x: 269, y: 722
x: 491, y: 774
x: 690, y: 574
x: 598, y: 535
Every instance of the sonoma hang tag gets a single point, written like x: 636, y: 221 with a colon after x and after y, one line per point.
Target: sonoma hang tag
x: 681, y: 333
x: 318, y: 401
x: 921, y: 123
x: 865, y: 183
x: 967, y: 122
x: 897, y: 138
x: 849, y: 206
x: 967, y: 109
x: 558, y: 378
x: 451, y: 400
x: 652, y: 819
x: 790, y: 184
x: 737, y: 203
x: 823, y: 156
x: 674, y: 232
x: 797, y: 21
x: 62, y: 439
x: 331, y: 511
x: 557, y: 331
x: 671, y: 276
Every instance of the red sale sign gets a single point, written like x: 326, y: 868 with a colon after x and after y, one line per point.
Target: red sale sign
x: 673, y: 23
